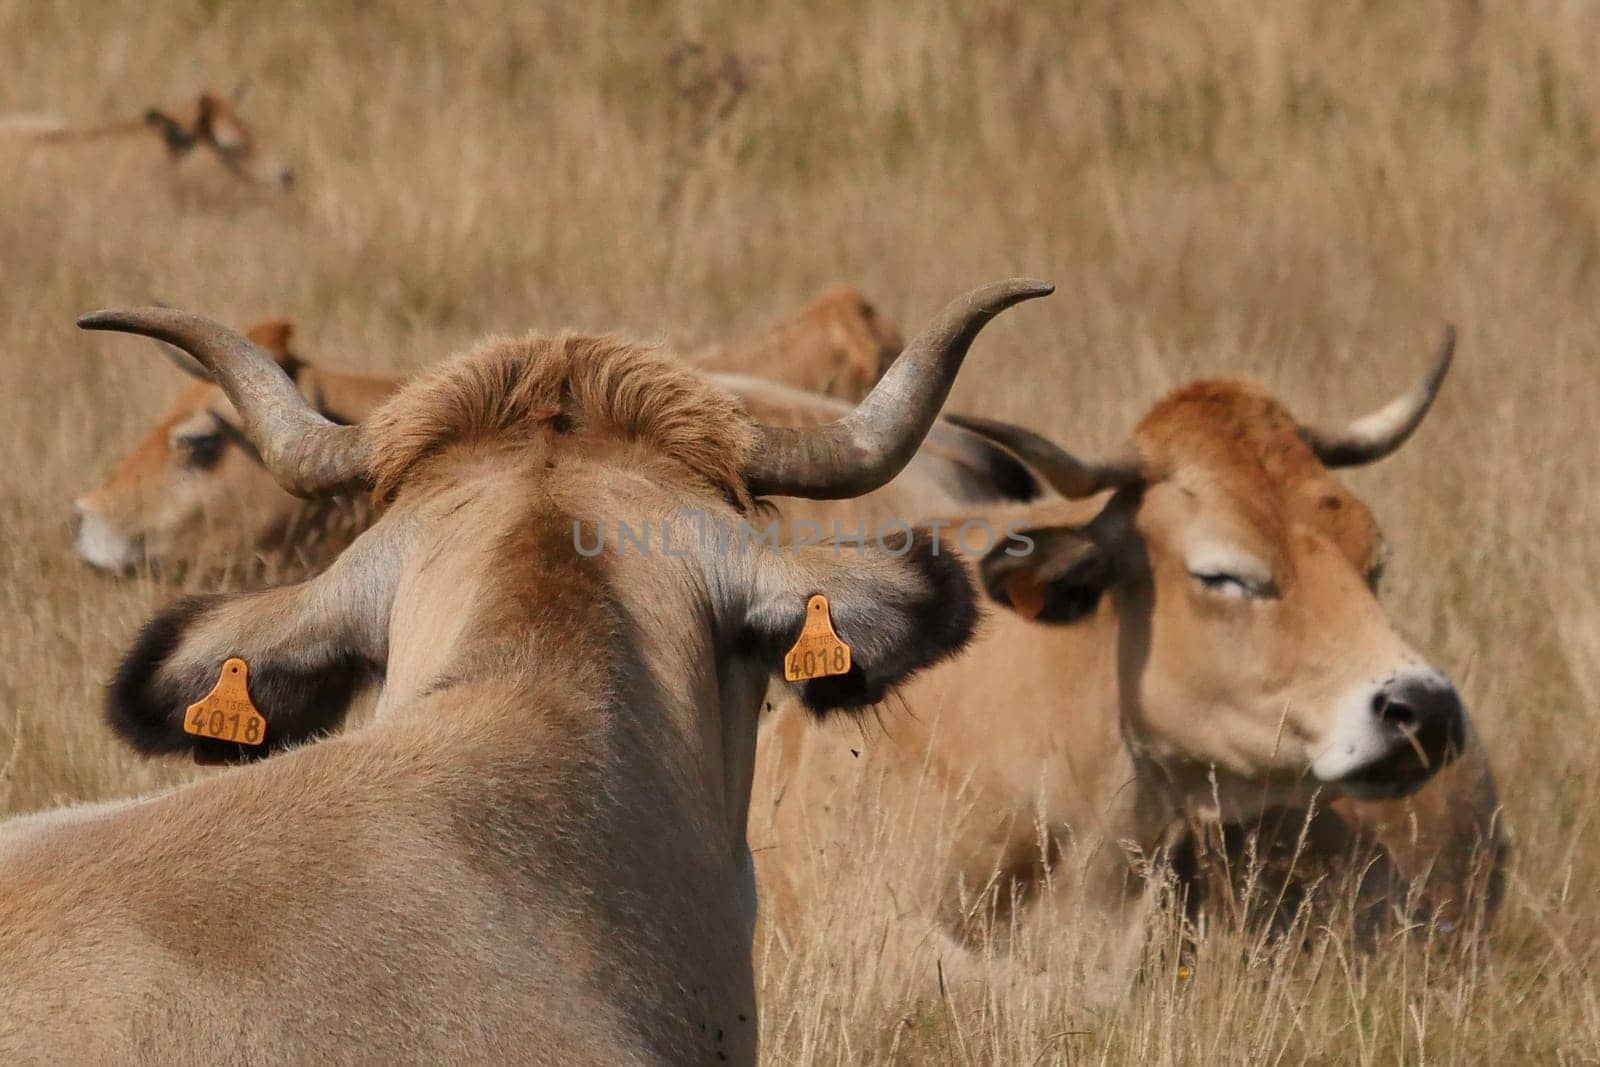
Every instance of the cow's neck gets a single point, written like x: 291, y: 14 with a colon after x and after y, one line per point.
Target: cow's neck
x: 611, y: 658
x: 710, y: 699
x: 1095, y: 789
x: 609, y: 723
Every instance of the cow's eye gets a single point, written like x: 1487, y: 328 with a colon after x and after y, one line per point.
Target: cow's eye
x: 200, y: 450
x: 1232, y: 585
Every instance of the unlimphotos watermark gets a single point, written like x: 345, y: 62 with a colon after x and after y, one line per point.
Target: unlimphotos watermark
x: 692, y: 530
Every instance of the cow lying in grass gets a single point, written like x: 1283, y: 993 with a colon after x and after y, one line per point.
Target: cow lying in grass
x: 1187, y: 642
x: 196, y: 483
x: 536, y: 850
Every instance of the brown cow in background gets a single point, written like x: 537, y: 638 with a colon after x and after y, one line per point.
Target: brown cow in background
x: 196, y: 481
x: 837, y: 345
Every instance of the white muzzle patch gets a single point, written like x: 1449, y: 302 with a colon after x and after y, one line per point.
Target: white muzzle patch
x: 1357, y: 738
x: 99, y: 545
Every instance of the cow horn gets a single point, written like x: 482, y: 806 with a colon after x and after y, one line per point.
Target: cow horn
x: 866, y: 448
x: 185, y: 362
x: 181, y: 359
x: 307, y: 454
x: 1376, y: 435
x: 1068, y: 475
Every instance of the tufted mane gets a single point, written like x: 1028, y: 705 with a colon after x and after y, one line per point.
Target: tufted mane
x: 511, y: 389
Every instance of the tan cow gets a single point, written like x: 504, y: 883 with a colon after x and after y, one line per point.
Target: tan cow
x: 536, y: 850
x: 194, y: 482
x: 1191, y: 637
x: 211, y: 130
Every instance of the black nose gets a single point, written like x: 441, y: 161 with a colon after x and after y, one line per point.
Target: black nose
x: 1427, y: 710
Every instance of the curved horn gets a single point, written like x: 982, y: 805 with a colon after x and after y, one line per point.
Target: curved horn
x: 181, y: 359
x: 1376, y: 435
x: 307, y: 454
x: 185, y: 362
x: 1068, y: 475
x: 864, y: 449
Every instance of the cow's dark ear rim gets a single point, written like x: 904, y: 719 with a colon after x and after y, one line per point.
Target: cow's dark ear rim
x: 136, y: 709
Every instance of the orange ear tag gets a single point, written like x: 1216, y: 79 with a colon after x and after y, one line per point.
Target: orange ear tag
x: 818, y: 652
x: 226, y: 712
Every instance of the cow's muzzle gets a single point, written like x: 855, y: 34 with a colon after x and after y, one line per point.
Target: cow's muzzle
x: 1424, y: 724
x: 99, y: 544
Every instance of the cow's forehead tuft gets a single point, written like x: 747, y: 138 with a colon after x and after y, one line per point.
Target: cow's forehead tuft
x: 1225, y: 424
x: 1236, y: 438
x: 510, y: 388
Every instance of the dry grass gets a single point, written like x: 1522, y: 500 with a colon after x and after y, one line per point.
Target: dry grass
x: 1302, y: 192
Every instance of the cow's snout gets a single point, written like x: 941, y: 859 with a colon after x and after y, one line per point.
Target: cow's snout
x: 98, y: 543
x: 1426, y: 711
x: 1417, y: 724
x: 1390, y: 736
x: 1423, y: 705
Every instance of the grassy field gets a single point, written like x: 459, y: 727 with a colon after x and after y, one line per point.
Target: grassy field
x: 1304, y: 193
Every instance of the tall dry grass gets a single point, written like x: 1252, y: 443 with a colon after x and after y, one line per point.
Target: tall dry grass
x: 1301, y: 192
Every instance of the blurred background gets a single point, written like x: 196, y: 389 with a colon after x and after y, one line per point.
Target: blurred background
x: 1302, y: 193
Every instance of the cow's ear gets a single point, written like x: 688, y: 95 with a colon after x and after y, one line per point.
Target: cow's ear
x: 899, y: 609
x: 1053, y: 574
x: 274, y: 336
x: 179, y: 657
x: 307, y: 650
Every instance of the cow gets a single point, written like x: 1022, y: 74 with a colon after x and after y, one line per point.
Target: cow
x: 536, y: 850
x: 193, y: 481
x: 211, y: 129
x: 1186, y: 641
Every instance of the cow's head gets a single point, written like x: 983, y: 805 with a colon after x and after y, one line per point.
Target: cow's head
x: 213, y: 126
x: 495, y: 476
x: 1242, y: 577
x: 197, y: 480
